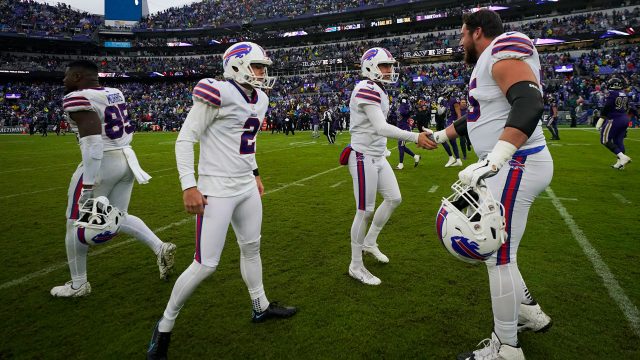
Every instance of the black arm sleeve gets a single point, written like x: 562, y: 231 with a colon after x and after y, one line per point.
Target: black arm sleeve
x: 461, y: 126
x: 526, y: 106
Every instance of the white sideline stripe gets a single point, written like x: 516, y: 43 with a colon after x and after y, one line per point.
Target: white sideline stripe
x: 302, y: 143
x: 57, y: 266
x: 129, y: 240
x: 434, y: 188
x: 632, y: 139
x: 615, y: 290
x: 621, y: 198
x: 337, y: 184
x: 32, y: 192
x: 287, y: 148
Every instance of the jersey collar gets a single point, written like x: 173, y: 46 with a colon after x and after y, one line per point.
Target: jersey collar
x: 254, y: 94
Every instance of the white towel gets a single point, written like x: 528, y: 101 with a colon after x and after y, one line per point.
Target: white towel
x: 141, y: 176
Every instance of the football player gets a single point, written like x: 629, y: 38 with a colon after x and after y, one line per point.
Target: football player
x: 404, y: 112
x: 369, y: 107
x: 225, y: 120
x: 455, y: 113
x: 441, y: 122
x: 465, y: 143
x: 613, y: 132
x: 503, y: 123
x: 109, y: 166
x: 552, y: 123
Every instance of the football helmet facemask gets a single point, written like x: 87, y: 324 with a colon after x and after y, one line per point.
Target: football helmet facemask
x: 98, y: 221
x: 615, y: 84
x: 374, y: 57
x: 470, y: 223
x: 237, y: 60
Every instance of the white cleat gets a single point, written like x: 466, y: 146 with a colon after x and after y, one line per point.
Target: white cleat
x: 451, y: 161
x: 532, y: 318
x: 623, y: 160
x: 67, y: 290
x: 458, y: 162
x: 363, y: 275
x: 416, y: 160
x: 373, y: 250
x: 166, y: 260
x: 616, y: 165
x: 493, y: 349
x: 400, y: 166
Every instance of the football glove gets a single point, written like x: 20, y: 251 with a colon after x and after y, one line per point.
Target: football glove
x: 489, y: 166
x: 85, y: 195
x: 599, y: 124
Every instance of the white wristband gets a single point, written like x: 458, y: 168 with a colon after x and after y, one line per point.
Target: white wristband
x: 501, y: 153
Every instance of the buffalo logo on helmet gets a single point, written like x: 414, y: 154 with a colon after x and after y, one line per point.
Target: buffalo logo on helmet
x: 467, y: 248
x: 239, y: 51
x: 370, y: 54
x: 103, y: 237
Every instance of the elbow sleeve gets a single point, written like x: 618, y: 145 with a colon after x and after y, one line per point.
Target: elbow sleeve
x: 526, y: 106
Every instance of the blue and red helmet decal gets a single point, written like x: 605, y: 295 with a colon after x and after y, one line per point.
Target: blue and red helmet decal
x: 370, y: 54
x: 239, y: 51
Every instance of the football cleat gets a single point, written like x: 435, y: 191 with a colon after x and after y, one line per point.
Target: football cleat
x: 624, y: 160
x: 159, y: 344
x: 166, y: 259
x: 532, y: 318
x: 416, y: 160
x: 273, y: 311
x: 451, y: 161
x: 493, y: 349
x: 363, y: 275
x: 458, y: 162
x: 400, y: 166
x: 373, y: 250
x: 616, y: 165
x: 67, y: 290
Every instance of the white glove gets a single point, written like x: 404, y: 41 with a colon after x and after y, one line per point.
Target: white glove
x: 387, y: 153
x: 488, y: 167
x: 599, y: 124
x: 85, y: 195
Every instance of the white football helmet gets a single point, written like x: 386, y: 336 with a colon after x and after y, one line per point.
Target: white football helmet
x: 374, y: 57
x: 470, y: 223
x: 237, y: 61
x: 98, y: 222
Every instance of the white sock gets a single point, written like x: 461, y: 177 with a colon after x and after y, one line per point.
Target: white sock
x: 505, y: 283
x: 182, y: 290
x: 134, y: 226
x: 380, y: 218
x: 251, y: 270
x: 358, y: 232
x: 76, y: 256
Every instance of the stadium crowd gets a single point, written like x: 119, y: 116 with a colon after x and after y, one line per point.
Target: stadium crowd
x: 41, y: 19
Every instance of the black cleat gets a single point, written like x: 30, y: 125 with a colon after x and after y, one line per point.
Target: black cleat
x: 159, y: 344
x: 274, y: 311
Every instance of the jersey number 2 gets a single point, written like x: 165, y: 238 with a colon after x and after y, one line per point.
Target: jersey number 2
x: 116, y: 121
x: 248, y: 140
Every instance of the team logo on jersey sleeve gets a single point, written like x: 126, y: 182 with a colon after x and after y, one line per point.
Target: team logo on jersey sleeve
x: 239, y: 51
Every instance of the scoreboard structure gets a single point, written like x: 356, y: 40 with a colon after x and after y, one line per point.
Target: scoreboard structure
x: 124, y: 12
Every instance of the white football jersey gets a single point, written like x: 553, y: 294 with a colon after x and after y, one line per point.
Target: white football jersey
x: 228, y: 145
x: 488, y: 107
x: 364, y: 138
x: 111, y: 108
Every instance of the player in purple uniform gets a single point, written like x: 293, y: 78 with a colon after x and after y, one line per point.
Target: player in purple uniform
x: 552, y: 124
x: 404, y: 113
x: 465, y: 142
x: 616, y: 123
x: 453, y: 105
x: 441, y: 124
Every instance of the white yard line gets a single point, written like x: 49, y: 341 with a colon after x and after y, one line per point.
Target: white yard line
x: 434, y: 188
x: 32, y: 192
x: 39, y: 168
x: 621, y: 198
x: 129, y: 240
x: 616, y: 292
x: 338, y: 184
x: 560, y: 198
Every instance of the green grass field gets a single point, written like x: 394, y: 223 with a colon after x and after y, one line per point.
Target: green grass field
x: 429, y: 306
